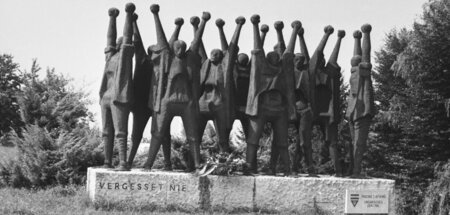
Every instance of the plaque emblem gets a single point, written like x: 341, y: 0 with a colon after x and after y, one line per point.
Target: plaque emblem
x: 354, y: 198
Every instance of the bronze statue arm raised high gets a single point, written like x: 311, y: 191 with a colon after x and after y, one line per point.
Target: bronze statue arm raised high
x: 257, y: 43
x: 296, y: 25
x: 223, y: 40
x: 365, y: 68
x: 328, y: 30
x: 334, y: 55
x: 178, y: 23
x: 195, y: 21
x: 365, y: 58
x: 357, y: 51
x: 316, y: 62
x: 111, y: 35
x: 233, y: 47
x: 264, y: 30
x: 195, y: 45
x: 303, y: 47
x: 139, y: 49
x: 128, y: 27
x: 161, y: 40
x: 280, y: 47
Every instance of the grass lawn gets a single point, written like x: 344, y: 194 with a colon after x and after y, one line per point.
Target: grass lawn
x: 58, y: 200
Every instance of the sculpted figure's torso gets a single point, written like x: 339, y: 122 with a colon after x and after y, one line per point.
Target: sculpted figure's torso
x: 212, y: 98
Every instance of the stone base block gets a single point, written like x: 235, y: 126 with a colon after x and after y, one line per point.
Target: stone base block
x: 233, y: 193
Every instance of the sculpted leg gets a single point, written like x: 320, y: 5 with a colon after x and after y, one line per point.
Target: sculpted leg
x: 256, y: 125
x: 107, y: 134
x: 297, y: 155
x: 361, y: 127
x: 349, y: 150
x: 305, y: 140
x: 166, y: 145
x: 332, y: 138
x: 190, y: 122
x: 325, y: 147
x: 160, y: 129
x: 140, y: 119
x: 280, y: 134
x: 223, y: 133
x: 120, y: 115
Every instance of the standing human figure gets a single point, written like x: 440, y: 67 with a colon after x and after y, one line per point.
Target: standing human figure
x: 175, y: 89
x: 116, y: 91
x: 216, y: 87
x: 330, y: 107
x: 142, y: 88
x: 241, y: 76
x: 141, y: 83
x: 303, y: 108
x: 270, y: 98
x: 360, y: 101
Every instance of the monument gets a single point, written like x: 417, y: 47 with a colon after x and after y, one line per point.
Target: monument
x: 278, y: 88
x: 116, y: 91
x: 360, y: 101
x: 270, y: 97
x: 216, y: 86
x: 141, y: 82
x: 175, y: 90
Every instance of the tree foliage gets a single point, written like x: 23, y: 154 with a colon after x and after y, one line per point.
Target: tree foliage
x: 10, y: 82
x: 51, y: 102
x: 412, y: 131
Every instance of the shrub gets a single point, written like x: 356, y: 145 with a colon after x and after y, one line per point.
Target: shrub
x: 43, y: 160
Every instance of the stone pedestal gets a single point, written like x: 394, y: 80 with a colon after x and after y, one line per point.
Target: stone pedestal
x: 232, y: 193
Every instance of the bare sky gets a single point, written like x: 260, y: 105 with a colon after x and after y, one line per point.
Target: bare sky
x: 71, y: 35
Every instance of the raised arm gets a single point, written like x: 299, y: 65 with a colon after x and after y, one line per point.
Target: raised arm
x: 328, y: 30
x: 357, y: 48
x: 257, y: 44
x: 303, y: 48
x: 137, y: 40
x: 296, y: 25
x: 178, y: 23
x: 357, y: 52
x: 195, y: 21
x: 223, y: 40
x: 111, y: 35
x: 199, y: 33
x: 161, y: 39
x: 264, y: 30
x: 334, y: 55
x: 234, y: 41
x: 365, y: 65
x: 128, y: 27
x: 366, y: 29
x: 279, y: 25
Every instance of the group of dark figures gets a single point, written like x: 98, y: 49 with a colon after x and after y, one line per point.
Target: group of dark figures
x: 282, y: 87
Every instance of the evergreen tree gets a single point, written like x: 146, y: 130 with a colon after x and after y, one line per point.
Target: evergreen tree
x: 10, y: 81
x: 51, y: 103
x: 411, y: 131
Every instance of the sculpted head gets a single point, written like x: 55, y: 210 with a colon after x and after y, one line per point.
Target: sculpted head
x: 299, y: 61
x: 277, y: 48
x: 179, y: 48
x: 242, y: 59
x: 273, y: 58
x: 216, y: 56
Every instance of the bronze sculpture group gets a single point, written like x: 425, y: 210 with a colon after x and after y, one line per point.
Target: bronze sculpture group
x: 280, y: 87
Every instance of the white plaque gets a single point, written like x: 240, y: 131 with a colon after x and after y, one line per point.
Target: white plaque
x: 366, y: 202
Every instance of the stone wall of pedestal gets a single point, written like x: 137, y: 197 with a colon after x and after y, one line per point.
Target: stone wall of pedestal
x: 232, y: 193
